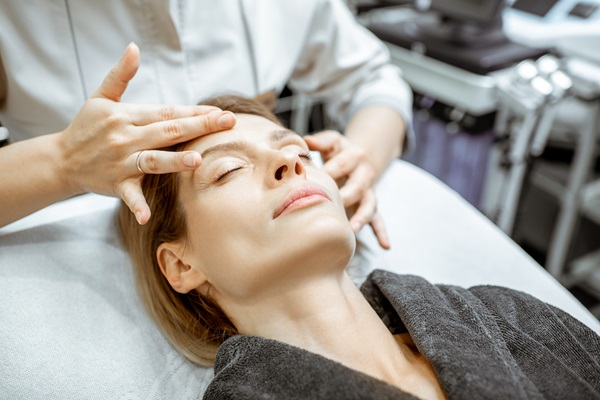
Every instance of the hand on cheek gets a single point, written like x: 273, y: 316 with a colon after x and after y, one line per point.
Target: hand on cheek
x: 348, y: 165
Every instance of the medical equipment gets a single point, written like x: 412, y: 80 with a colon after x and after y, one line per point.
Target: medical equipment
x: 478, y: 47
x: 570, y: 26
x: 572, y: 29
x: 579, y: 194
x: 470, y: 11
x: 473, y: 23
x: 442, y: 55
x: 468, y: 80
x: 532, y: 93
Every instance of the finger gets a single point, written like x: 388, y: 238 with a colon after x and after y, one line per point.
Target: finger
x: 342, y: 164
x: 147, y: 114
x: 118, y: 78
x: 166, y: 133
x: 164, y: 162
x: 365, y: 211
x: 327, y: 143
x: 131, y: 192
x: 380, y: 231
x: 359, y: 181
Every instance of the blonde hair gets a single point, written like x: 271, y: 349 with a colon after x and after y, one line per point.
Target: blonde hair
x: 194, y: 324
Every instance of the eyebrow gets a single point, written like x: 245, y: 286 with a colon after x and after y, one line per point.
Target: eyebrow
x: 274, y: 136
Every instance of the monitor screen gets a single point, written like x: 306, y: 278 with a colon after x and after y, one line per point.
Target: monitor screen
x: 476, y: 11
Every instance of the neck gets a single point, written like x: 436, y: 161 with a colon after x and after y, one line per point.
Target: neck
x: 327, y: 316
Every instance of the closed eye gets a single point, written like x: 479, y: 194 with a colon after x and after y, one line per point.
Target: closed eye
x: 230, y: 170
x: 306, y: 155
x: 303, y: 154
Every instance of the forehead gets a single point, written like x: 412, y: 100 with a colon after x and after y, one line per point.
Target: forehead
x: 248, y: 127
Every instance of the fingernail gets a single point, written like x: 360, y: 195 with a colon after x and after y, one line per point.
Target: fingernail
x: 138, y: 217
x: 189, y: 160
x: 226, y: 120
x: 356, y: 227
x: 129, y: 46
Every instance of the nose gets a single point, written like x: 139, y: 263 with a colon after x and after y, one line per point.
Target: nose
x: 286, y: 165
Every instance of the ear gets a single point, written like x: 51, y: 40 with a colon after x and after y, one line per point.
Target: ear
x: 182, y: 276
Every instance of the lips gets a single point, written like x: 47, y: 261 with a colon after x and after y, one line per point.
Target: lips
x: 301, y: 197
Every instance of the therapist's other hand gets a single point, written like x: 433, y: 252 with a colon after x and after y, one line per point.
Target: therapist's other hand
x: 347, y: 163
x: 100, y: 147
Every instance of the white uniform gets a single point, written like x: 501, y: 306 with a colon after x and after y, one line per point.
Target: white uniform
x: 56, y: 53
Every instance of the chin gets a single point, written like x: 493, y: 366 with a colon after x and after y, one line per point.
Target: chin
x: 307, y: 248
x: 325, y: 239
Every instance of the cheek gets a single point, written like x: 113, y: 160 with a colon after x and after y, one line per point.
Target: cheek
x: 225, y: 229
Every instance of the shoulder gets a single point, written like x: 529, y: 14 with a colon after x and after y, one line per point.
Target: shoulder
x: 495, y: 298
x: 518, y: 311
x: 540, y: 339
x: 499, y: 305
x: 510, y: 313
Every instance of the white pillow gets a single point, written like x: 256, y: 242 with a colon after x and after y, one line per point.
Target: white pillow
x: 72, y: 325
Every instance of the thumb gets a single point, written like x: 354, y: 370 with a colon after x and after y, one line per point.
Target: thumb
x: 118, y: 78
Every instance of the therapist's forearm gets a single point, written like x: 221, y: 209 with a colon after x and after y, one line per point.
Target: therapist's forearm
x: 30, y: 178
x: 379, y: 131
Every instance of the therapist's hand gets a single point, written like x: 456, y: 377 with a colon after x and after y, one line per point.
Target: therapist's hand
x: 347, y: 163
x: 100, y: 147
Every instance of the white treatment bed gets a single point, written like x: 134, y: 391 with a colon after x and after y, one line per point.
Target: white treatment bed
x: 71, y: 325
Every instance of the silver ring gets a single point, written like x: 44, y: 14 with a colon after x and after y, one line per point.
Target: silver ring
x: 137, y: 162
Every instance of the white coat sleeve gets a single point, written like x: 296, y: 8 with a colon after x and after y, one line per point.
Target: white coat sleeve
x: 348, y: 68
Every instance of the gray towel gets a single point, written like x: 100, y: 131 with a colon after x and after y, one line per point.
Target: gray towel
x: 484, y: 343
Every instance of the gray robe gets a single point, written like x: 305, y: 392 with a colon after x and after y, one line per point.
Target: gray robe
x: 486, y: 342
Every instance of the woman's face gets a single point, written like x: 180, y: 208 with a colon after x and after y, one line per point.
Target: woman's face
x: 260, y: 215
